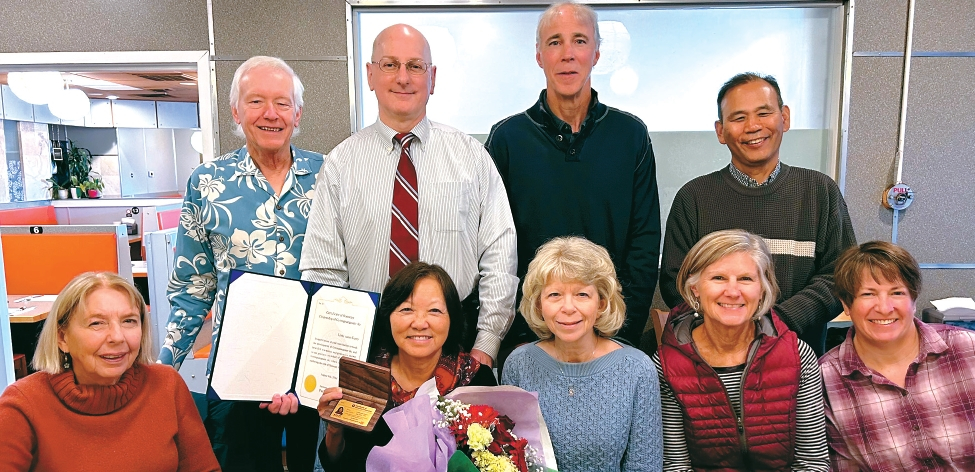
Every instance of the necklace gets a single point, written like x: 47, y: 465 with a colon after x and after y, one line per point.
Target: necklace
x: 572, y: 388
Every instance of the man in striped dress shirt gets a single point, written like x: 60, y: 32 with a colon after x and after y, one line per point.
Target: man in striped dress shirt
x: 460, y: 217
x: 800, y: 212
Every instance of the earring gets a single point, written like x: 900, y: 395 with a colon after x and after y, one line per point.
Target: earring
x: 695, y: 304
x: 67, y: 361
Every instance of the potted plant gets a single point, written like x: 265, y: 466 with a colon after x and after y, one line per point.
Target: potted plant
x: 92, y: 188
x: 74, y: 187
x: 79, y: 169
x: 57, y: 191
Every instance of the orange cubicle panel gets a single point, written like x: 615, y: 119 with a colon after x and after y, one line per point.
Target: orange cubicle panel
x: 42, y: 264
x: 42, y: 215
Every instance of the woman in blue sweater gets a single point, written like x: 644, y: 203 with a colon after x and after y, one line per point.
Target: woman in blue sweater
x: 600, y: 399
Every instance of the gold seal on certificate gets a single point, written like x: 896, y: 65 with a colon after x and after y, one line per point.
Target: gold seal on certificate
x: 279, y: 335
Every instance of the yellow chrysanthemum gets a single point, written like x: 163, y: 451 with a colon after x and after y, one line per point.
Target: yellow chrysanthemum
x: 478, y: 437
x: 487, y: 462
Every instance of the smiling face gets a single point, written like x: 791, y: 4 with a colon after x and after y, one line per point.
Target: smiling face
x: 567, y: 52
x: 402, y: 96
x: 570, y: 309
x: 104, y: 341
x: 729, y: 290
x: 266, y: 111
x: 882, y: 313
x: 421, y: 323
x: 751, y: 126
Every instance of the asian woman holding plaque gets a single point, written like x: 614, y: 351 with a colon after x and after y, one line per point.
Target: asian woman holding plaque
x: 599, y: 398
x: 739, y: 390
x: 419, y: 331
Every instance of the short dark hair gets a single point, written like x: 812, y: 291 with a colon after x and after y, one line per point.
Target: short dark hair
x: 742, y: 79
x: 399, y: 289
x: 883, y: 260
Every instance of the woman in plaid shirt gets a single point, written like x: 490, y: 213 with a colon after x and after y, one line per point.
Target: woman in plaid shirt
x: 900, y: 394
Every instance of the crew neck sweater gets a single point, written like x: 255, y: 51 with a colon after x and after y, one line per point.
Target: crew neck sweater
x: 805, y: 223
x: 146, y: 422
x: 601, y: 415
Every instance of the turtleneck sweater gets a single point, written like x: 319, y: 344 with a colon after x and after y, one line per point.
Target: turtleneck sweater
x: 147, y: 422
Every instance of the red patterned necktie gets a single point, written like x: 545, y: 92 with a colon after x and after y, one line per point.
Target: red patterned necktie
x: 404, y: 237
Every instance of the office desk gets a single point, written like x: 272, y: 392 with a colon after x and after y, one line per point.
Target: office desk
x: 26, y: 326
x: 38, y: 311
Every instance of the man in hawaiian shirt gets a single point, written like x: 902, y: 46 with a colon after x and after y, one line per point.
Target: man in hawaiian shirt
x: 248, y: 210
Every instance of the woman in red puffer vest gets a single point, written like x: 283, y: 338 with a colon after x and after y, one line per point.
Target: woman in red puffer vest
x: 739, y: 390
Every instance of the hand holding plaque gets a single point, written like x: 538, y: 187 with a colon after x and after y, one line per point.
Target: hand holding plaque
x: 365, y: 393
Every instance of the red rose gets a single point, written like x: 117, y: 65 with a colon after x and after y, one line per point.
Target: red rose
x: 518, y: 454
x: 483, y: 415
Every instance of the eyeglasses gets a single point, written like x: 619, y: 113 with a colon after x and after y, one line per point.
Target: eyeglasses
x: 391, y: 66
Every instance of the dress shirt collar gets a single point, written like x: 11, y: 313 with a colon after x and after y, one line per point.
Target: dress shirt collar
x: 850, y: 362
x: 749, y: 182
x: 421, y: 131
x: 246, y: 165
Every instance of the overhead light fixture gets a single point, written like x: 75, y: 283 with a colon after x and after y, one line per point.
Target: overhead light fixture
x: 196, y: 140
x: 97, y: 84
x: 35, y: 87
x: 112, y: 97
x: 70, y: 104
x: 187, y: 83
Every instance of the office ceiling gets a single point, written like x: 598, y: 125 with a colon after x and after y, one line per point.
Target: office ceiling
x: 160, y: 85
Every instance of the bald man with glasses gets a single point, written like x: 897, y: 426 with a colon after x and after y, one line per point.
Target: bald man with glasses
x: 407, y: 188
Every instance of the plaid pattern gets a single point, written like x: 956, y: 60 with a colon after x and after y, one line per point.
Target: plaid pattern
x: 749, y: 182
x: 873, y: 424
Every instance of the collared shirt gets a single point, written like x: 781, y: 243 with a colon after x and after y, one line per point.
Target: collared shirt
x: 929, y: 424
x: 232, y: 218
x: 464, y: 220
x: 749, y: 182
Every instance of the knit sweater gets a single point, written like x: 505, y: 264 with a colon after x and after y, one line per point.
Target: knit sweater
x: 802, y: 217
x: 599, y: 183
x: 145, y: 422
x: 601, y: 415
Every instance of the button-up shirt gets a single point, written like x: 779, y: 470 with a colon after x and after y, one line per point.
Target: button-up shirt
x: 749, y: 182
x: 464, y: 219
x: 929, y: 424
x: 232, y: 218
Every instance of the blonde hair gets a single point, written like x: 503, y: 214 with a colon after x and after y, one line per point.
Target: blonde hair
x: 719, y: 244
x: 48, y: 356
x: 571, y: 259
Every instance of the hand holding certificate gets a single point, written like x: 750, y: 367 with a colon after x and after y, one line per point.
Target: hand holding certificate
x: 279, y: 334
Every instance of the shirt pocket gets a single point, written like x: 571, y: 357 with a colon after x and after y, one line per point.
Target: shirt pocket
x: 451, y: 205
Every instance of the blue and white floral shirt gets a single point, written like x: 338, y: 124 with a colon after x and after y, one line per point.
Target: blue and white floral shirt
x: 231, y: 218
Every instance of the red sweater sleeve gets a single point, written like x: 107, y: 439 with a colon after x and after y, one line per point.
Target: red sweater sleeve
x: 192, y: 443
x: 17, y: 442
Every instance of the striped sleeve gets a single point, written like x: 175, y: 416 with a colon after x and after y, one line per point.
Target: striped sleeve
x: 676, y: 457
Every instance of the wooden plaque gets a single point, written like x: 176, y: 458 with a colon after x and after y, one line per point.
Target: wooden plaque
x: 365, y: 393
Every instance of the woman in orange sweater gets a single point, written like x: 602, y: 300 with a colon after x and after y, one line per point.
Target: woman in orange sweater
x: 98, y: 402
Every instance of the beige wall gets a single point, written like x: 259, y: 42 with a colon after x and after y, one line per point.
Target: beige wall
x: 939, y: 151
x: 940, y: 140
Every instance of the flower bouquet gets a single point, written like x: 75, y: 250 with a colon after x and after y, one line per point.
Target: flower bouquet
x: 476, y: 429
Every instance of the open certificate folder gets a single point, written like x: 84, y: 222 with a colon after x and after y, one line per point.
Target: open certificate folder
x: 279, y: 334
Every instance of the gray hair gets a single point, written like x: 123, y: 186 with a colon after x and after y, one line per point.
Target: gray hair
x: 719, y: 244
x: 297, y: 90
x: 583, y: 13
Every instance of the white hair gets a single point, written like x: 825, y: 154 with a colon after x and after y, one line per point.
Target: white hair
x: 297, y: 94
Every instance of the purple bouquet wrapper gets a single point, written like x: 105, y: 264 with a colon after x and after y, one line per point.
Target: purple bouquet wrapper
x: 417, y: 446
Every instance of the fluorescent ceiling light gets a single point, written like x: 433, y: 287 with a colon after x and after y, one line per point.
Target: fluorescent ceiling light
x: 97, y: 84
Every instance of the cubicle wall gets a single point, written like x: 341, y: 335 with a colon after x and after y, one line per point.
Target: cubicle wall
x: 6, y: 347
x: 42, y: 259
